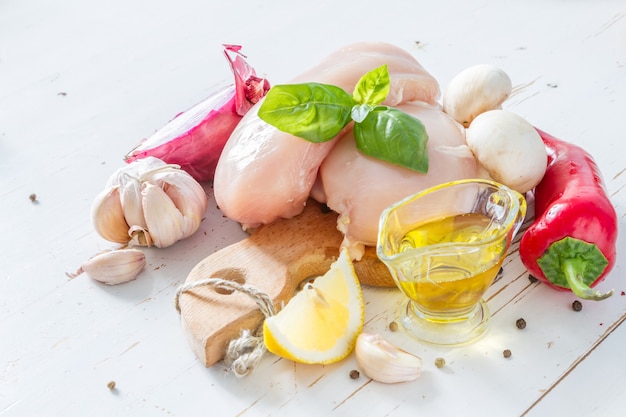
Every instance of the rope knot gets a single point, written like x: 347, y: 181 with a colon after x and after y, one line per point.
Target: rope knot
x: 244, y: 353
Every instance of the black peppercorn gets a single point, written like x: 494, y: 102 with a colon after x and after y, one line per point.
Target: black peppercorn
x: 520, y: 323
x: 440, y: 362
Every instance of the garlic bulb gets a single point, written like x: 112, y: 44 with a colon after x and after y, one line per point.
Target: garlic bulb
x: 113, y: 266
x: 149, y: 202
x: 384, y: 362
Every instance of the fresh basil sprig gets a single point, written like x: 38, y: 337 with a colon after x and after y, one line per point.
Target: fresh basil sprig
x: 318, y: 112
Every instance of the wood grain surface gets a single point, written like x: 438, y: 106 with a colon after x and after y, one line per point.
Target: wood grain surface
x: 82, y: 82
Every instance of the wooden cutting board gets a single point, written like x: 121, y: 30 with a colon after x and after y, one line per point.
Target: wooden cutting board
x: 276, y: 259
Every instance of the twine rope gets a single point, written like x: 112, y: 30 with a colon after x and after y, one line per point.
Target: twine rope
x: 245, y: 352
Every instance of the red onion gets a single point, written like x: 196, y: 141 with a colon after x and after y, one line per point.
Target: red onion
x: 194, y: 139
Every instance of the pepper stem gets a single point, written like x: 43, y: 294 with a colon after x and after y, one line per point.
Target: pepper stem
x: 575, y: 264
x: 571, y: 270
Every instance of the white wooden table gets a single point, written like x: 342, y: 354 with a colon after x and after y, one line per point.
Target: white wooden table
x: 82, y: 81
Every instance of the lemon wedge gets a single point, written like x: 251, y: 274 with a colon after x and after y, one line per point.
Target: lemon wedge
x: 321, y: 323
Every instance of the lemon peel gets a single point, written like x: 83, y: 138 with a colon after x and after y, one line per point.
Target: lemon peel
x: 321, y: 323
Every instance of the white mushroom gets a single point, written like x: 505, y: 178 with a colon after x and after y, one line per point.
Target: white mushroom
x: 509, y: 148
x: 475, y: 90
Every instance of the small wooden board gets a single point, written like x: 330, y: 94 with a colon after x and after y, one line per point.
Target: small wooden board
x: 275, y: 259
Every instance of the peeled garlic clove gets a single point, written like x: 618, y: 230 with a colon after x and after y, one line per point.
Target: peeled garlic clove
x: 114, y: 267
x: 163, y: 220
x: 108, y: 216
x: 384, y: 362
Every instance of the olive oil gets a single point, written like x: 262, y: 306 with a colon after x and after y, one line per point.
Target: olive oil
x: 459, y: 258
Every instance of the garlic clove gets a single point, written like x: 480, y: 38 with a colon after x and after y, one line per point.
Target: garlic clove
x: 384, y: 362
x: 108, y: 216
x: 154, y: 165
x: 130, y: 197
x: 164, y: 221
x: 139, y: 236
x: 188, y: 196
x: 114, y: 267
x: 139, y: 170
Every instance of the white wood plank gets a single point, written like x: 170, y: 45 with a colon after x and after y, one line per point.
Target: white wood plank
x: 126, y: 67
x: 601, y: 368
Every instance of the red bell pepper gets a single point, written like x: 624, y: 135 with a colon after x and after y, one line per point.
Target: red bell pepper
x: 572, y: 242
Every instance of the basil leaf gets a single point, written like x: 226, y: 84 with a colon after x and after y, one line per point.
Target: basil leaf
x: 393, y: 136
x: 373, y: 87
x: 313, y: 111
x: 360, y: 112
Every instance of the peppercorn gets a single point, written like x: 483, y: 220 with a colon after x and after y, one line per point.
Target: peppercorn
x: 440, y: 362
x: 532, y: 279
x: 393, y: 326
x: 506, y: 353
x: 354, y: 374
x: 111, y: 385
x: 520, y: 323
x: 577, y: 305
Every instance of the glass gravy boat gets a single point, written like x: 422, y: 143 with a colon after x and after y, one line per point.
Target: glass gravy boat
x: 444, y: 247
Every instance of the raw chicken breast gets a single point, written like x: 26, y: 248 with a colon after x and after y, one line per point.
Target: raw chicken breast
x: 359, y: 187
x: 264, y: 174
x: 409, y: 81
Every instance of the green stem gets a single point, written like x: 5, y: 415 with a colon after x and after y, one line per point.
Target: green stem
x: 576, y: 284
